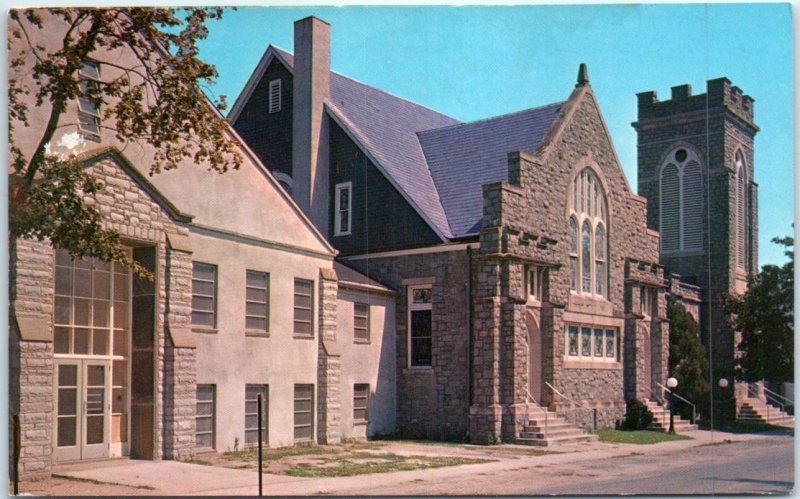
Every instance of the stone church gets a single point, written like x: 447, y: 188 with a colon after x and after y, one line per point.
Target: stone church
x: 530, y: 276
x: 377, y: 267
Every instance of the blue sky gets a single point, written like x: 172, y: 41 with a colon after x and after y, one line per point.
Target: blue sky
x: 474, y: 62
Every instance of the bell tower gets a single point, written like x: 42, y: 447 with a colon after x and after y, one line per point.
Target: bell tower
x: 695, y: 167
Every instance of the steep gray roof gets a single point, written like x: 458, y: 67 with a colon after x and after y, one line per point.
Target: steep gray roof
x: 438, y: 163
x: 463, y: 157
x: 388, y: 126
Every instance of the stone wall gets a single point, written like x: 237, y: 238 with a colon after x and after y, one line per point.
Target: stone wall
x: 329, y: 399
x: 526, y: 223
x: 432, y: 402
x: 180, y: 361
x: 31, y: 354
x: 132, y: 207
x: 715, y: 125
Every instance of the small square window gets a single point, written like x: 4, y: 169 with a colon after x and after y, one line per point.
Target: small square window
x: 204, y: 295
x: 360, y: 402
x: 251, y: 426
x: 303, y: 412
x: 303, y: 308
x: 205, y: 417
x: 361, y: 322
x: 257, y: 301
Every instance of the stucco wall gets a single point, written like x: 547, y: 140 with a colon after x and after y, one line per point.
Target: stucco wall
x: 230, y: 359
x: 371, y: 363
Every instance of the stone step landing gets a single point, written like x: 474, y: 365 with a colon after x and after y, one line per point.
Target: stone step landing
x: 661, y: 419
x: 546, y: 428
x: 756, y: 411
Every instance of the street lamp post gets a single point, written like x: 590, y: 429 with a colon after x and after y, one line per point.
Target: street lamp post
x: 672, y: 383
x: 723, y: 384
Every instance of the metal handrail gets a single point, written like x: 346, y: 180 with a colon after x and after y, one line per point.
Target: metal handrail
x: 694, y: 407
x: 770, y: 396
x: 786, y: 399
x: 530, y: 398
x: 659, y: 401
x: 579, y: 404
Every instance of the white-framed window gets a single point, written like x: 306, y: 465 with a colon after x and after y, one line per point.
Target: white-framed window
x: 204, y: 295
x: 592, y: 343
x: 251, y: 393
x: 420, y: 331
x: 681, y: 201
x: 88, y: 106
x: 275, y: 96
x: 205, y: 417
x: 257, y: 301
x: 303, y: 308
x: 588, y: 236
x: 303, y: 412
x: 534, y: 279
x: 343, y: 209
x: 742, y: 237
x: 647, y: 301
x: 360, y: 403
x: 361, y: 322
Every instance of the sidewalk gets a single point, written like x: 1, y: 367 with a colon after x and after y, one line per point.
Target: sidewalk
x: 176, y: 478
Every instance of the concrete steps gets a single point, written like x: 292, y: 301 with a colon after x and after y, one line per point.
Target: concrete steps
x: 661, y: 419
x: 546, y: 428
x: 756, y: 411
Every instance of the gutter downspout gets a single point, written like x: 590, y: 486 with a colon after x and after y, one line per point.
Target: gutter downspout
x: 469, y: 324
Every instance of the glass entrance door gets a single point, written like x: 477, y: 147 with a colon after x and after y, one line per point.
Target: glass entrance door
x: 83, y: 409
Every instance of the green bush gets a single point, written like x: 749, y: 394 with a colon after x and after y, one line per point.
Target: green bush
x: 637, y: 416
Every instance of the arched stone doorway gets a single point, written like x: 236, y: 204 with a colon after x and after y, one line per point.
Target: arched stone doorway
x: 535, y: 372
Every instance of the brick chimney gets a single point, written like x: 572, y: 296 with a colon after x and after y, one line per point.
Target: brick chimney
x: 310, y: 169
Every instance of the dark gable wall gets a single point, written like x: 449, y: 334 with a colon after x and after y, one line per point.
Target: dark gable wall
x: 382, y: 220
x: 269, y: 135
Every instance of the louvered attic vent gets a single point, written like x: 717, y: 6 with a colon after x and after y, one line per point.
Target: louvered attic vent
x: 274, y: 96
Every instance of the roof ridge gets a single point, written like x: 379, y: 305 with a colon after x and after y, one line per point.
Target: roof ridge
x: 492, y: 118
x: 378, y: 89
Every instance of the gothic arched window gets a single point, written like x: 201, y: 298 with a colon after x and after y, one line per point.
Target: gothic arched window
x: 741, y: 211
x: 588, y: 250
x: 681, y: 203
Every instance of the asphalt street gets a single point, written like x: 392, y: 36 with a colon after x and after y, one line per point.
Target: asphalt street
x: 754, y: 467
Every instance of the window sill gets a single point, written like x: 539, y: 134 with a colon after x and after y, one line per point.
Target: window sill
x: 418, y: 369
x: 342, y: 234
x: 592, y: 364
x: 205, y: 330
x: 204, y: 450
x: 360, y: 422
x: 361, y: 342
x: 302, y: 337
x: 257, y: 334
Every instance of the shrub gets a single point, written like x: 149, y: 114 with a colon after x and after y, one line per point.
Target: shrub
x: 637, y: 416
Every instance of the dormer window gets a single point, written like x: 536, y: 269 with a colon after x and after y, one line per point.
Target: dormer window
x: 275, y: 96
x: 88, y: 107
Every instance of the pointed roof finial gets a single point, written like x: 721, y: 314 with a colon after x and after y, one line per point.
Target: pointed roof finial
x: 583, y: 76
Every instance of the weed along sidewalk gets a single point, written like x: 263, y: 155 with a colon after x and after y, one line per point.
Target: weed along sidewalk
x: 383, y: 467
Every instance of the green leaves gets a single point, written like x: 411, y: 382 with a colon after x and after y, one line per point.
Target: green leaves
x: 149, y: 91
x: 687, y: 357
x: 765, y: 317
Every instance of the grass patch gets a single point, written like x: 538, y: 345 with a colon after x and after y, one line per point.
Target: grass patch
x: 641, y: 437
x: 201, y: 462
x: 277, y: 454
x: 375, y: 463
x: 99, y: 482
x: 745, y: 427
